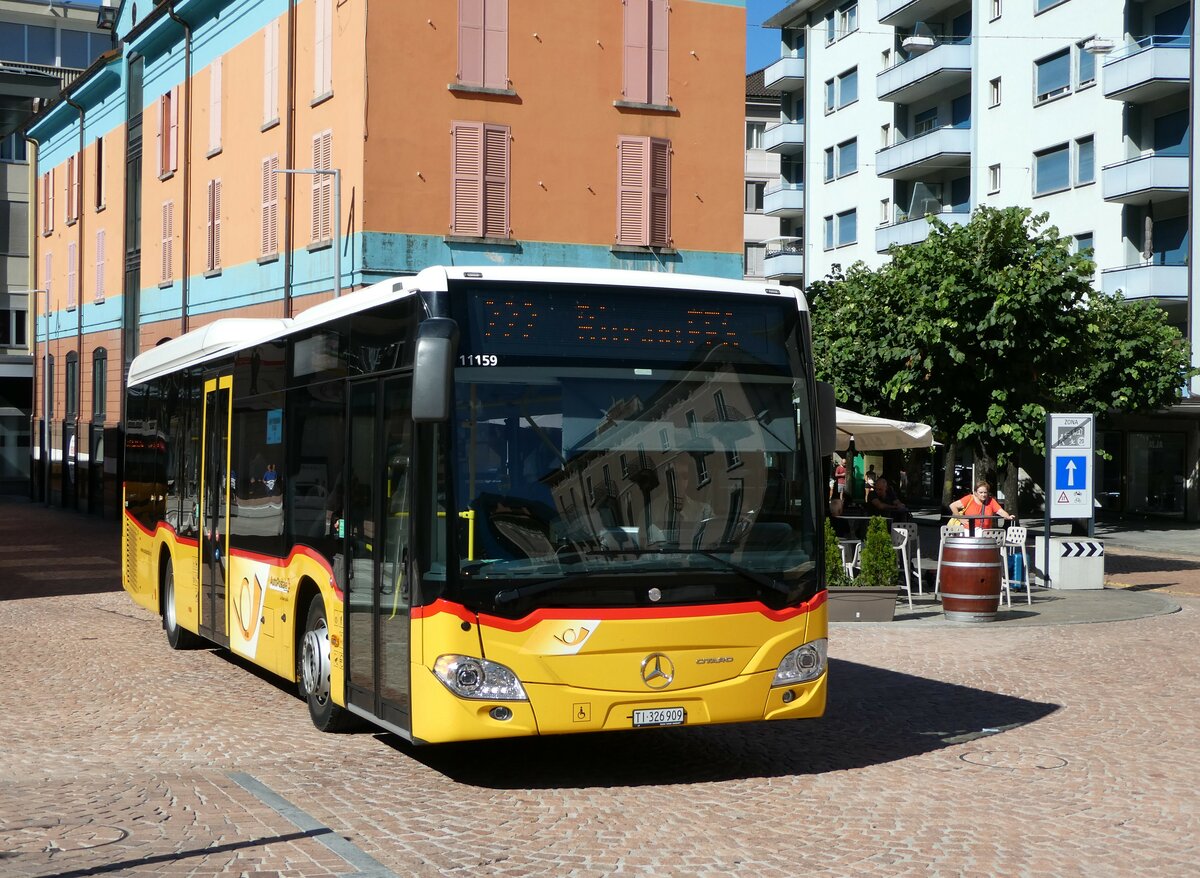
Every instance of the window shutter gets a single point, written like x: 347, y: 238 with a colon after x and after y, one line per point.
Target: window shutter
x: 467, y: 179
x: 72, y: 278
x: 322, y: 48
x: 637, y: 51
x: 161, y: 137
x: 659, y: 15
x: 214, y: 104
x: 168, y: 234
x: 100, y: 265
x: 173, y: 147
x: 495, y: 44
x: 50, y: 206
x: 45, y: 202
x: 270, y: 206
x: 660, y: 192
x: 495, y: 181
x: 632, y: 221
x: 271, y: 72
x: 99, y: 175
x: 470, y: 42
x: 212, y: 260
x: 322, y: 187
x: 327, y: 59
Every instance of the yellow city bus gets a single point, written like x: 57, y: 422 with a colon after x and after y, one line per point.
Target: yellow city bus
x: 486, y: 502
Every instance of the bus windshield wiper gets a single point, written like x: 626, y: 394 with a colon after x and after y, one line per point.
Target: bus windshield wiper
x: 509, y: 595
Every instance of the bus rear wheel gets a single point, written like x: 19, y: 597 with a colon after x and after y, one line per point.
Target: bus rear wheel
x: 313, y: 672
x: 178, y: 637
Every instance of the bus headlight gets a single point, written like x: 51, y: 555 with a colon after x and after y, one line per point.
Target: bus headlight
x: 803, y: 663
x: 478, y: 678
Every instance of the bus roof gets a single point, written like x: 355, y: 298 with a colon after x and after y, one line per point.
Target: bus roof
x: 231, y: 334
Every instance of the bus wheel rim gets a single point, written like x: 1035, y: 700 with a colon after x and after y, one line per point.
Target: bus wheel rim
x: 169, y: 600
x: 315, y: 662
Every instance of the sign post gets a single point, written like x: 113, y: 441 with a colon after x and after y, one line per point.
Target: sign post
x: 1070, y: 472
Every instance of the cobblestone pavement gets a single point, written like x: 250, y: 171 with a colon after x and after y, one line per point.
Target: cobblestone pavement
x: 958, y: 751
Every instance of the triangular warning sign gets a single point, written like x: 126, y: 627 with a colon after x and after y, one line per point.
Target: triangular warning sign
x: 1062, y: 498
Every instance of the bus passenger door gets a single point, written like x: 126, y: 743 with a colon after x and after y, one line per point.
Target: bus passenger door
x: 215, y: 499
x: 377, y: 549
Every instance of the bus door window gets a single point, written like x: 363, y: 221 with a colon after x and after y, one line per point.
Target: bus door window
x: 214, y: 544
x: 395, y: 579
x: 360, y: 542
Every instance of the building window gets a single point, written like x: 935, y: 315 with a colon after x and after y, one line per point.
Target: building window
x: 480, y: 165
x: 645, y: 56
x: 693, y: 424
x: 167, y: 145
x: 99, y: 186
x: 753, y: 260
x: 885, y: 136
x: 212, y: 257
x: 74, y: 168
x: 847, y: 157
x: 323, y: 49
x: 993, y: 178
x: 702, y: 476
x: 830, y: 28
x: 925, y: 121
x: 847, y: 84
x: 1052, y: 76
x: 268, y: 244
x: 754, y: 196
x: 214, y: 106
x: 643, y: 191
x: 12, y: 149
x: 830, y: 171
x: 1083, y: 243
x: 13, y: 323
x: 166, y: 269
x: 72, y: 385
x: 1043, y: 5
x: 722, y: 408
x: 830, y: 96
x: 48, y: 202
x: 99, y: 385
x: 754, y: 134
x: 995, y: 92
x: 847, y: 19
x: 72, y: 275
x: 1051, y: 170
x: 1085, y: 65
x: 100, y: 264
x: 322, y: 189
x: 664, y: 439
x: 997, y: 9
x: 1085, y: 161
x: 271, y: 73
x: 828, y: 229
x: 885, y: 59
x: 847, y: 228
x: 885, y: 211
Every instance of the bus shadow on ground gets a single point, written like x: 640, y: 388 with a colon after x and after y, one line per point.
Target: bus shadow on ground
x: 1115, y: 565
x: 873, y: 716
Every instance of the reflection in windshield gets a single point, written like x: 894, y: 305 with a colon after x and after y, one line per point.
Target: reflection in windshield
x: 629, y: 470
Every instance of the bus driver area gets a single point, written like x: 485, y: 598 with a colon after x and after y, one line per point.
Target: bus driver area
x: 493, y: 502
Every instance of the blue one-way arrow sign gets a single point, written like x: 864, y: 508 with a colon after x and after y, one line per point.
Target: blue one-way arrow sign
x: 1070, y: 473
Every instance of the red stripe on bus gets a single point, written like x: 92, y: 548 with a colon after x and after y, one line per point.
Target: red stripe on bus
x: 623, y: 613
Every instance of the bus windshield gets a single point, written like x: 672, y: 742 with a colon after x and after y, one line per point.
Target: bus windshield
x: 591, y: 473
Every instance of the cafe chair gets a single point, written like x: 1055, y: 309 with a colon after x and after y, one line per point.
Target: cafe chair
x: 914, y: 550
x: 1014, y: 545
x: 900, y: 544
x: 950, y: 531
x: 992, y: 533
x: 851, y: 555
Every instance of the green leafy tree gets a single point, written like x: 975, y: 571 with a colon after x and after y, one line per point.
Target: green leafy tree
x: 983, y: 328
x: 878, y: 557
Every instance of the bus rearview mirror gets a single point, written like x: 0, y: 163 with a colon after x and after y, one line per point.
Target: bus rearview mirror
x: 826, y: 418
x: 433, y: 371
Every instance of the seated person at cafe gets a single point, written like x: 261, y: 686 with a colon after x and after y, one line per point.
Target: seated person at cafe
x: 980, y: 503
x: 882, y: 500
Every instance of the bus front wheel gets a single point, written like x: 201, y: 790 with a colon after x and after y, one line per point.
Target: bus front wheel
x: 178, y: 637
x: 313, y: 672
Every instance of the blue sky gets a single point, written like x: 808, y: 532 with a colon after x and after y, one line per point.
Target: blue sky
x: 762, y: 44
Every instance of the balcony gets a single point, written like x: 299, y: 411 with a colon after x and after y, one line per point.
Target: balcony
x: 914, y: 231
x: 785, y: 201
x: 784, y: 259
x: 1153, y: 177
x: 1165, y: 283
x: 925, y: 155
x: 1152, y: 68
x: 786, y: 74
x: 946, y: 66
x: 786, y: 138
x: 906, y: 13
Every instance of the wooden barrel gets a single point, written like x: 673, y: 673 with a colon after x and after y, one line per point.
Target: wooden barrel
x: 970, y: 578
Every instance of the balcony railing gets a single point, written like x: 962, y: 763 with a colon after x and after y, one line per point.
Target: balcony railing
x: 785, y: 138
x: 912, y: 231
x: 786, y: 74
x: 1153, y: 177
x: 946, y: 147
x: 906, y: 13
x: 784, y: 258
x: 948, y: 64
x: 786, y: 200
x: 65, y: 75
x: 1149, y: 69
x: 1164, y: 282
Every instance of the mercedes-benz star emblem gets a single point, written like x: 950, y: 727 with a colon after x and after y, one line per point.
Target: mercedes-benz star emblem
x: 657, y: 671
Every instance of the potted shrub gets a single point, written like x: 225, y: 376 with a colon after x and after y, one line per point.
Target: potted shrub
x: 870, y: 596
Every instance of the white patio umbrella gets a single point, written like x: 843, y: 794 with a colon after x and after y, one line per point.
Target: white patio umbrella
x: 879, y: 434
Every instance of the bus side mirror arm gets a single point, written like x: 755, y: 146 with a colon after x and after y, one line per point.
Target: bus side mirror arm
x: 826, y: 418
x: 433, y: 370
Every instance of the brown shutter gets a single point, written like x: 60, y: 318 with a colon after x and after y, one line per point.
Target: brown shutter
x: 466, y: 160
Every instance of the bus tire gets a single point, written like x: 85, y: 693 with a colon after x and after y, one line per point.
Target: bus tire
x: 178, y: 637
x: 313, y: 670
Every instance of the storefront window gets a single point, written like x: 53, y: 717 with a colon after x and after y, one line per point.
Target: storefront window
x: 1157, y: 473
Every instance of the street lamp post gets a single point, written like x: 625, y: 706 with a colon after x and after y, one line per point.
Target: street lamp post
x: 337, y: 217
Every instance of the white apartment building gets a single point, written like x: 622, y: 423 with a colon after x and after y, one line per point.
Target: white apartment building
x: 896, y: 109
x: 760, y: 230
